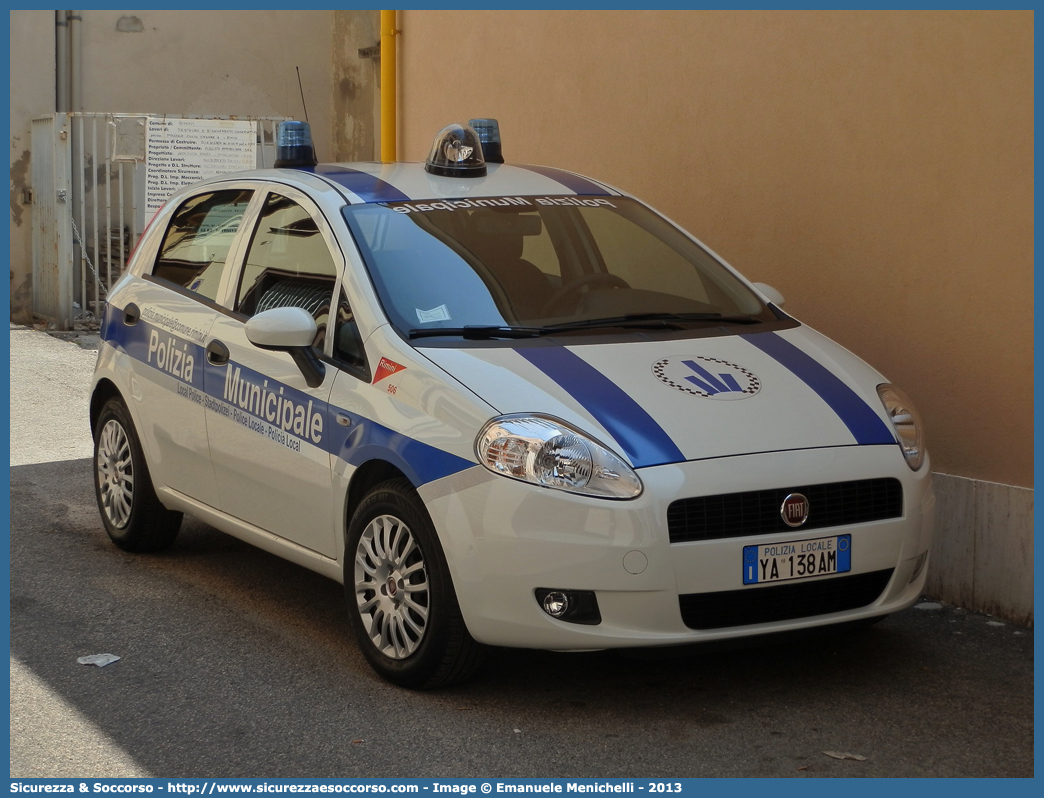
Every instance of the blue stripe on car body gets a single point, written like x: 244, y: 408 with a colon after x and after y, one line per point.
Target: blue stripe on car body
x: 643, y: 440
x: 369, y: 188
x: 865, y: 425
x: 575, y: 183
x: 133, y: 340
x: 364, y: 440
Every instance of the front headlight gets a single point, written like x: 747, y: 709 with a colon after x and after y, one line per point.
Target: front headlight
x: 549, y: 452
x: 906, y: 422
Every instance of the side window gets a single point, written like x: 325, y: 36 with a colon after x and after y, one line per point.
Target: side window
x: 195, y: 246
x: 642, y: 260
x: 288, y: 264
x: 348, y: 345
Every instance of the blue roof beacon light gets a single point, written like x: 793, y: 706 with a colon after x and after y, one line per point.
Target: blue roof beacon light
x: 294, y: 145
x: 489, y: 134
x: 456, y: 152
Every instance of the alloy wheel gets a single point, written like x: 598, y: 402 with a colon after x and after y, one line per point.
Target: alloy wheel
x: 391, y: 587
x: 115, y: 473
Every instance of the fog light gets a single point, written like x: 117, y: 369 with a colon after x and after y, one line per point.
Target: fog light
x: 573, y: 606
x: 556, y: 604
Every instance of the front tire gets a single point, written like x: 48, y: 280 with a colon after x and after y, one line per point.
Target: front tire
x: 400, y: 596
x: 133, y: 516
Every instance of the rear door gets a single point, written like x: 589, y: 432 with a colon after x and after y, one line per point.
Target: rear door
x: 164, y: 326
x: 269, y: 431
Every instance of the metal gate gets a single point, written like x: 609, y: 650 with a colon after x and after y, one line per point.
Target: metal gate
x: 88, y: 205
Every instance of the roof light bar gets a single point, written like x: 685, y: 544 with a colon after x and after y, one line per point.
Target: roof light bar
x: 294, y: 145
x: 489, y: 134
x: 456, y: 152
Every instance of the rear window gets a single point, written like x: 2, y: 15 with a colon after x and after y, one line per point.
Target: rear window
x: 198, y: 238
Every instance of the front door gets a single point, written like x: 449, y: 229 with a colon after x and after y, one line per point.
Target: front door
x: 268, y: 429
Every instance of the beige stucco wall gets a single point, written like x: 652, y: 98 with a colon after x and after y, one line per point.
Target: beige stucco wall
x: 875, y: 167
x: 180, y: 62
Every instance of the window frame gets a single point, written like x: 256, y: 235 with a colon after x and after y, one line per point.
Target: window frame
x: 251, y: 220
x: 231, y: 259
x: 153, y: 237
x: 361, y: 372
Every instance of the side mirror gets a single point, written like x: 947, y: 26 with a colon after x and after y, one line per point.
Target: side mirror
x: 771, y: 294
x: 290, y: 330
x: 281, y: 328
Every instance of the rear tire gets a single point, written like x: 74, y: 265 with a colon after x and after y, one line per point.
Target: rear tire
x: 400, y: 596
x: 132, y: 514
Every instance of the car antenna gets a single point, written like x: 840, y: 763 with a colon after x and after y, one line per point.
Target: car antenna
x: 302, y: 92
x: 303, y: 105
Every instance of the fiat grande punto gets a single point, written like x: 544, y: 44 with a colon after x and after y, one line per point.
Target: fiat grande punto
x: 504, y: 405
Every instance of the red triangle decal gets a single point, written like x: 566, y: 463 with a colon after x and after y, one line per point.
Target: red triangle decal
x: 385, y: 369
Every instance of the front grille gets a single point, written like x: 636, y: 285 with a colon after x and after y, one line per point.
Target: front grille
x: 733, y: 515
x: 782, y: 602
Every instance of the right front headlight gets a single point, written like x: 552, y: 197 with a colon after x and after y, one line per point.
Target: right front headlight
x: 906, y: 422
x: 550, y: 453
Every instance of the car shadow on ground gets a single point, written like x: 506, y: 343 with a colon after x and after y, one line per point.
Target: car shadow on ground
x: 237, y: 663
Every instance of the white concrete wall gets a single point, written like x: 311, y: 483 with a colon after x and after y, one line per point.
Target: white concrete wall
x: 32, y: 94
x: 982, y: 553
x: 211, y: 62
x: 356, y: 90
x: 175, y: 62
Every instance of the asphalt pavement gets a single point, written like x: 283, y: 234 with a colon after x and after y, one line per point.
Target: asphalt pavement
x: 235, y: 663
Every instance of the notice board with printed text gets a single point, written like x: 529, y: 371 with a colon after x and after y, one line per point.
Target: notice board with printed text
x: 180, y: 152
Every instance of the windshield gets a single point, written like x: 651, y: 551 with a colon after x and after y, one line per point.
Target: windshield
x: 540, y: 263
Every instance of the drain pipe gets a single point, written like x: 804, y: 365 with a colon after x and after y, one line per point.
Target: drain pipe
x: 76, y: 60
x: 61, y: 62
x: 388, y: 99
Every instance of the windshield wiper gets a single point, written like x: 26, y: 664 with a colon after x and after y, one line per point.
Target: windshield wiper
x: 715, y: 317
x: 657, y: 321
x: 478, y: 332
x: 651, y: 320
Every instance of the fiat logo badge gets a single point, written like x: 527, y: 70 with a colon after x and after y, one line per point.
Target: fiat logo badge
x: 794, y: 510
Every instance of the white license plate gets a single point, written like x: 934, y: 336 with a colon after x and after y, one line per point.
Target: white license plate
x: 800, y: 559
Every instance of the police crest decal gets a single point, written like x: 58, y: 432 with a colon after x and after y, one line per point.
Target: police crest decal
x: 707, y: 377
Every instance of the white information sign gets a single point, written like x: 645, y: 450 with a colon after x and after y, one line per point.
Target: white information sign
x: 180, y: 152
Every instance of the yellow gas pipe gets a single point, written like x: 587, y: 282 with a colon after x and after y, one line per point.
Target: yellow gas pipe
x: 388, y: 120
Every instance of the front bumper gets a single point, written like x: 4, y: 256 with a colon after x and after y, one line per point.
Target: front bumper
x: 504, y: 539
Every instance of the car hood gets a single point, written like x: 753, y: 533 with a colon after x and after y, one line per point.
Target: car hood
x: 660, y: 402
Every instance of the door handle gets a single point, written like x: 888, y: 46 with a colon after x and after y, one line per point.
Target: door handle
x: 217, y: 353
x: 131, y: 314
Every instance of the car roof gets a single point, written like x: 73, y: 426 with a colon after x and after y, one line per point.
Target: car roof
x: 369, y: 182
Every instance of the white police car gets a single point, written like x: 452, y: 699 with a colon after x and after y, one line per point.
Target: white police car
x: 504, y: 405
